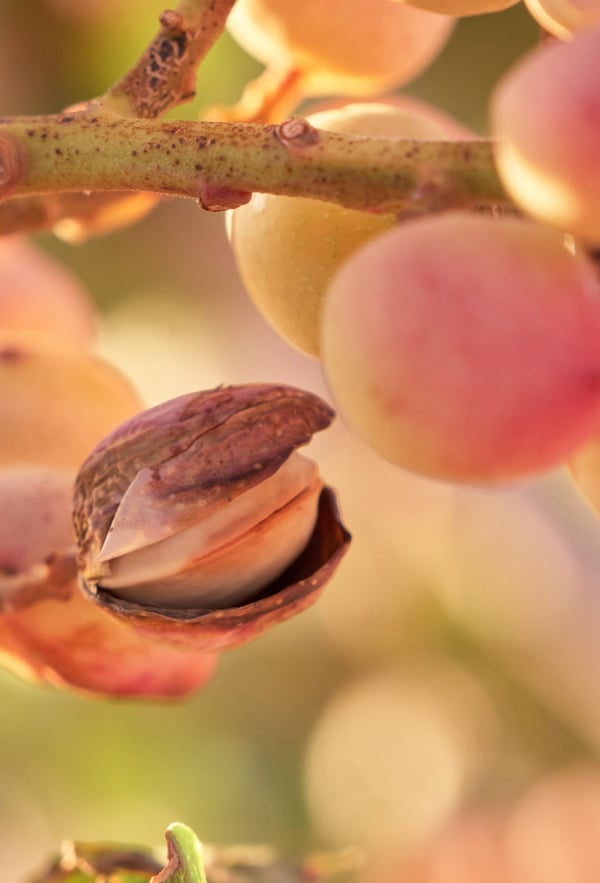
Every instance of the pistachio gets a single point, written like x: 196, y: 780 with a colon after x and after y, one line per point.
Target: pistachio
x: 198, y: 520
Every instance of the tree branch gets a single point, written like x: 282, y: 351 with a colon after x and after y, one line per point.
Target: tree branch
x: 220, y: 164
x: 165, y: 74
x: 163, y: 77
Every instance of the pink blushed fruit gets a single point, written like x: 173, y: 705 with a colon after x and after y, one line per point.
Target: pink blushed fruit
x: 466, y: 348
x: 38, y: 294
x: 545, y: 115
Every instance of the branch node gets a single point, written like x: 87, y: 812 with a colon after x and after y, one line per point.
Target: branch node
x: 171, y: 20
x: 296, y: 134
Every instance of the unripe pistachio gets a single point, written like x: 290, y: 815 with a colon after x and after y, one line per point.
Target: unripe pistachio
x: 50, y: 632
x: 198, y: 521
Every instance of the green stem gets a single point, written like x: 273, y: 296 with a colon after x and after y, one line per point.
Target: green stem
x: 165, y: 74
x: 186, y: 864
x: 220, y: 164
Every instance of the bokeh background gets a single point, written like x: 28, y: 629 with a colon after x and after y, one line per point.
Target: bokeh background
x: 451, y: 666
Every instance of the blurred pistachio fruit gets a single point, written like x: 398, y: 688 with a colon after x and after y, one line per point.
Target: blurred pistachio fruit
x: 100, y: 213
x: 57, y: 400
x: 38, y: 293
x: 49, y: 631
x: 198, y: 521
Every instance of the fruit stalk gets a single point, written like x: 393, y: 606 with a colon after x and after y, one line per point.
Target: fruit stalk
x: 165, y: 74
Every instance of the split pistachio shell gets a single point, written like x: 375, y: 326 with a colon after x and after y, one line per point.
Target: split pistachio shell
x: 229, y: 554
x: 198, y: 521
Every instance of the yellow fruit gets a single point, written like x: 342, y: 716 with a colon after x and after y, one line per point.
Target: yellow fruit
x: 546, y: 121
x: 349, y: 47
x: 288, y: 248
x: 56, y: 400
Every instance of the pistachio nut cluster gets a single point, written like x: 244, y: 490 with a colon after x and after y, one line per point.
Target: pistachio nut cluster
x: 199, y: 523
